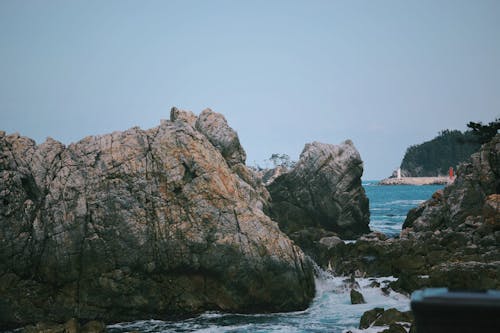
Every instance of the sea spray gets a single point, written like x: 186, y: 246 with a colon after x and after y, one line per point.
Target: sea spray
x: 330, y: 311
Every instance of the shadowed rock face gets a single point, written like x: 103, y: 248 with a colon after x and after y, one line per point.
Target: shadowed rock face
x: 452, y: 237
x: 140, y: 224
x: 472, y: 198
x: 323, y: 190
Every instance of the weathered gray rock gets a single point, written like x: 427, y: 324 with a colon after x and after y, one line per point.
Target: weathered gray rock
x: 322, y: 190
x: 357, y: 297
x: 331, y: 241
x: 139, y: 224
x: 183, y: 115
x: 451, y: 240
x: 476, y: 180
x: 214, y: 126
x: 369, y: 317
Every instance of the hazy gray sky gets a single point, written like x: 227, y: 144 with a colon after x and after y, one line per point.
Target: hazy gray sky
x: 386, y: 74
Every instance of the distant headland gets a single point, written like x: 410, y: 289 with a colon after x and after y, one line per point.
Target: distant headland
x: 429, y: 163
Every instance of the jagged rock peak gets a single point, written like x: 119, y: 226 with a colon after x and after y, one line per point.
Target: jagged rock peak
x: 317, y: 155
x: 214, y: 126
x: 182, y: 115
x: 322, y: 190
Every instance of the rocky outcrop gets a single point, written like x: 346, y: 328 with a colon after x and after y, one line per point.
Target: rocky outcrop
x: 214, y: 126
x: 357, y: 297
x: 323, y: 190
x: 468, y: 199
x: 140, y: 224
x: 381, y: 317
x: 451, y: 240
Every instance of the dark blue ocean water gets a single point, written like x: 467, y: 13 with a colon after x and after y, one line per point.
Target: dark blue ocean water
x: 389, y: 204
x: 331, y: 310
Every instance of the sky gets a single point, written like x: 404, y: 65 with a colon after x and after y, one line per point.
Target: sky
x: 385, y: 74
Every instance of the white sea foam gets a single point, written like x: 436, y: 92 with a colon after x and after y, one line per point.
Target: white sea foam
x: 330, y: 311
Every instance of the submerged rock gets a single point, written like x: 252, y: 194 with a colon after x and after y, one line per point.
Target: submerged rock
x: 140, y: 224
x: 323, y: 190
x: 357, y: 297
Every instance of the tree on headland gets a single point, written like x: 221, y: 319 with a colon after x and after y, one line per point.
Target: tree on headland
x: 484, y: 133
x: 435, y: 157
x: 448, y: 149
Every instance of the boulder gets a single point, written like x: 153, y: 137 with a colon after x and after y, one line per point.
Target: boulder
x: 381, y: 317
x: 140, y: 224
x: 357, y: 297
x: 323, y: 190
x: 392, y: 316
x: 331, y: 241
x: 466, y: 275
x: 369, y: 317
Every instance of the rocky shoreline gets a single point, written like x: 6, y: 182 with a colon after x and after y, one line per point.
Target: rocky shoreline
x: 141, y: 224
x: 170, y: 222
x: 451, y: 240
x: 441, y: 180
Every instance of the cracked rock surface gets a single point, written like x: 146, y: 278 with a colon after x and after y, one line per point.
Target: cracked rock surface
x: 451, y: 240
x: 154, y: 223
x: 322, y: 191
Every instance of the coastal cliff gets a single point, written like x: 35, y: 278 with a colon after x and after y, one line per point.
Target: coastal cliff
x: 154, y: 223
x: 451, y: 240
x: 433, y: 158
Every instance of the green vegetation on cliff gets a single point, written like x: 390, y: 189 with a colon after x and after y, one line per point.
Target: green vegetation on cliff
x: 448, y: 149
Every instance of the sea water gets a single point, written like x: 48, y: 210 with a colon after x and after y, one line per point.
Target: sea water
x: 389, y: 204
x: 331, y: 309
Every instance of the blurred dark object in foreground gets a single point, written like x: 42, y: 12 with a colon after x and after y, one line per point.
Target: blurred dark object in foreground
x: 442, y: 310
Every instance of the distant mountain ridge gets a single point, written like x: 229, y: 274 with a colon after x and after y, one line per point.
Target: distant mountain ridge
x: 435, y: 157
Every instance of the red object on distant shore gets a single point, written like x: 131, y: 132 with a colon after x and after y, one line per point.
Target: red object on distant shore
x: 451, y: 172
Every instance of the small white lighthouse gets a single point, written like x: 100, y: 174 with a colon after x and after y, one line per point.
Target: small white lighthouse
x: 399, y: 173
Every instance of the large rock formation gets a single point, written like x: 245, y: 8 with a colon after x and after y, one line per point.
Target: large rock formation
x: 473, y: 197
x: 451, y: 239
x: 323, y: 191
x: 140, y: 224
